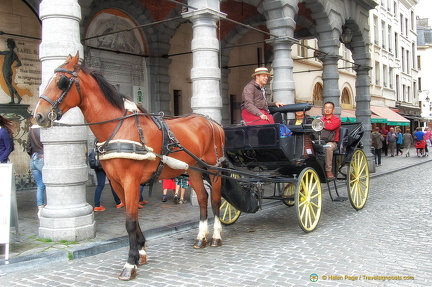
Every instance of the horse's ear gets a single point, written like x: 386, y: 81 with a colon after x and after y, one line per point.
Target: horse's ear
x: 69, y: 58
x: 77, y: 56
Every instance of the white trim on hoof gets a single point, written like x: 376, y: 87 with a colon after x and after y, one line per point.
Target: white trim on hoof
x: 142, y: 251
x: 130, y: 266
x: 203, y: 230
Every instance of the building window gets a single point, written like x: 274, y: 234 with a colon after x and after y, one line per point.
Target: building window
x: 383, y: 36
x: 302, y: 51
x: 375, y: 23
x: 419, y: 62
x: 420, y: 83
x: 396, y: 44
x: 389, y: 40
x: 317, y: 94
x: 377, y: 74
x: 403, y: 60
x: 391, y: 75
x: 385, y: 75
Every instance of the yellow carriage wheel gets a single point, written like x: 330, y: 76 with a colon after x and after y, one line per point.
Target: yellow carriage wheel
x: 228, y: 214
x: 358, y: 180
x: 288, y: 192
x: 308, y: 199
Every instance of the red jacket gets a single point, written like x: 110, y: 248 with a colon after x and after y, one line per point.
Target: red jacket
x: 333, y: 123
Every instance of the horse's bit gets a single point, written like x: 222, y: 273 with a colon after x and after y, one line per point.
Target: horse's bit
x: 64, y: 84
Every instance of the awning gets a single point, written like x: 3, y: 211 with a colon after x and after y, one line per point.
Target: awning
x: 393, y: 118
x: 347, y: 115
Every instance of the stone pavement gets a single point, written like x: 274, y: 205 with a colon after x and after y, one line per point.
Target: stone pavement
x: 157, y: 219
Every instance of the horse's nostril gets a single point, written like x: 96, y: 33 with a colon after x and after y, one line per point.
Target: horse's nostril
x: 39, y: 118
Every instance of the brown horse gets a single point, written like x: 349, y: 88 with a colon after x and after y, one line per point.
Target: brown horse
x: 194, y: 140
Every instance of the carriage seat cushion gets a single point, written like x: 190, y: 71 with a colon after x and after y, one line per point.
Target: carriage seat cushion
x: 343, y: 140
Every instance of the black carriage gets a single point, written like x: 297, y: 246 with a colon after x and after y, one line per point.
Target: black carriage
x: 294, y: 166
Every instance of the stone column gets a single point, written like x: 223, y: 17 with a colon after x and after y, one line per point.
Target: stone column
x: 280, y: 16
x: 283, y: 81
x: 330, y: 78
x: 205, y: 74
x: 67, y: 215
x: 363, y: 112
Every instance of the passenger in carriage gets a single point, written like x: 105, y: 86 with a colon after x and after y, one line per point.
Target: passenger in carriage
x: 330, y: 134
x: 300, y: 118
x: 254, y: 104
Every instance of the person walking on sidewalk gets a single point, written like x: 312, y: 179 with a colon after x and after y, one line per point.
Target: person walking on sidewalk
x: 377, y: 140
x: 399, y: 142
x: 169, y: 184
x: 6, y: 134
x: 420, y: 142
x: 182, y: 182
x: 427, y: 136
x: 35, y: 150
x: 408, y: 140
x: 391, y: 141
x: 101, y: 177
x: 384, y: 132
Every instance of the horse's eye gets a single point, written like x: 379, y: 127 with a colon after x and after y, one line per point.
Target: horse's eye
x: 63, y: 83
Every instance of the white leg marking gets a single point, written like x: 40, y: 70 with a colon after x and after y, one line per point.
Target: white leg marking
x: 142, y: 251
x: 217, y: 228
x: 203, y: 229
x: 130, y: 266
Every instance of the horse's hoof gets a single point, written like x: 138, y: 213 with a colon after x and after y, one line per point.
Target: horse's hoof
x: 216, y: 242
x: 200, y: 243
x: 142, y: 260
x: 128, y: 274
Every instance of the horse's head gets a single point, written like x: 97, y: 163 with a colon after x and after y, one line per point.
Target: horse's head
x: 61, y: 93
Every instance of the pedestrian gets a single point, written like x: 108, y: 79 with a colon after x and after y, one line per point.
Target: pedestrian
x: 182, y: 182
x: 391, y: 141
x: 142, y: 202
x: 399, y: 142
x: 254, y: 106
x: 377, y: 140
x: 6, y: 139
x: 384, y: 132
x: 330, y: 134
x: 35, y: 150
x: 100, y: 178
x: 407, y: 141
x: 169, y: 184
x: 427, y: 136
x: 420, y: 142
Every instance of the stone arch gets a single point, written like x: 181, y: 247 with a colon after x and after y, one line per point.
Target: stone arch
x: 346, y: 99
x: 317, y: 93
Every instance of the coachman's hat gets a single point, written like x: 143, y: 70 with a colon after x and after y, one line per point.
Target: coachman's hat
x: 261, y: 71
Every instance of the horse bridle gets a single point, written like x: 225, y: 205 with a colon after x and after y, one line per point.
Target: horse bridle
x: 64, y: 84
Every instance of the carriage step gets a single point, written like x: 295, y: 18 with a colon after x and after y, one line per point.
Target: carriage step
x: 340, y: 198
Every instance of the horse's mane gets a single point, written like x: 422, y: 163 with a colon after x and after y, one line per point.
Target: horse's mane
x: 111, y: 94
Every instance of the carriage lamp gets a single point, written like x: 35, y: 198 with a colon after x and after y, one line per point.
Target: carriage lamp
x: 318, y: 125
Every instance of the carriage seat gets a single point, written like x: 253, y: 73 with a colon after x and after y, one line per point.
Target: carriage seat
x: 343, y: 140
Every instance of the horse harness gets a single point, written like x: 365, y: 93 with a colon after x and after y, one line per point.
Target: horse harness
x: 170, y: 144
x: 64, y: 84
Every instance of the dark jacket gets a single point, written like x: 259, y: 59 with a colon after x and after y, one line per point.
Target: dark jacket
x: 5, y: 145
x: 34, y: 144
x: 253, y: 99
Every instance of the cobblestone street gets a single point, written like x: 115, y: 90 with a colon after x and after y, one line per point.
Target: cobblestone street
x: 389, y: 237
